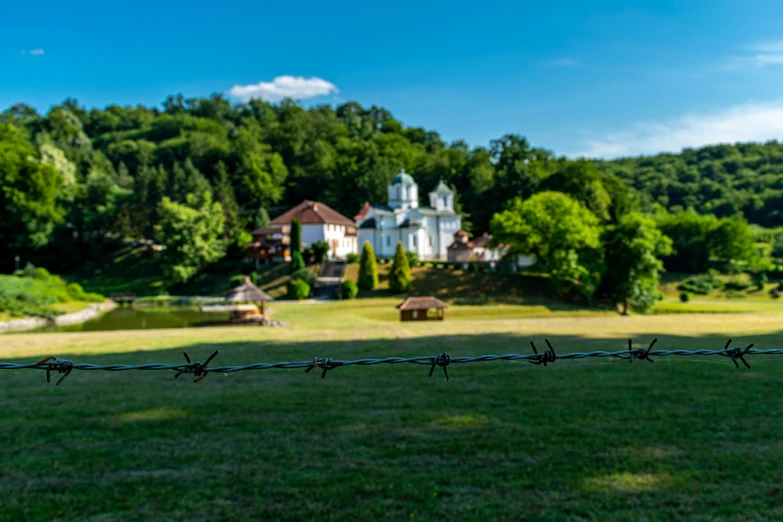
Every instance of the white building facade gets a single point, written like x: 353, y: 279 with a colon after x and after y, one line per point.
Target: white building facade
x: 427, y: 231
x: 322, y: 223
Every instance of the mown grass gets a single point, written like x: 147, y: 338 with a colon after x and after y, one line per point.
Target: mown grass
x: 679, y: 439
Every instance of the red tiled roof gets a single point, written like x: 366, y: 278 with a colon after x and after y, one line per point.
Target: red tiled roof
x: 422, y: 303
x: 363, y: 212
x: 312, y: 213
x: 481, y: 241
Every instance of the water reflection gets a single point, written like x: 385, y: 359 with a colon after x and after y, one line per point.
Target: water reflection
x: 126, y: 318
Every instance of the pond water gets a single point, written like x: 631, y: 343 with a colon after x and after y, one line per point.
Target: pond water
x: 128, y: 318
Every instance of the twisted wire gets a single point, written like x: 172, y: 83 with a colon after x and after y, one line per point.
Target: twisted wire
x: 549, y: 356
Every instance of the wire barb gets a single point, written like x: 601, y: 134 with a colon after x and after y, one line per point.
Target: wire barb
x: 640, y: 353
x: 196, y: 368
x: 326, y: 364
x: 548, y: 356
x: 61, y: 365
x: 737, y: 353
x: 441, y: 360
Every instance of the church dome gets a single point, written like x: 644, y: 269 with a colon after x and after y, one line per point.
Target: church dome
x: 403, y: 178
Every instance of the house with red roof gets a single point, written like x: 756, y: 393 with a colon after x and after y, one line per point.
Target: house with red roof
x: 319, y: 223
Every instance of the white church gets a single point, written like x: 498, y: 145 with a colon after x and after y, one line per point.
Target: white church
x: 428, y: 231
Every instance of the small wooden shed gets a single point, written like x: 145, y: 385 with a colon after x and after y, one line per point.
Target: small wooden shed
x: 422, y: 309
x: 249, y: 293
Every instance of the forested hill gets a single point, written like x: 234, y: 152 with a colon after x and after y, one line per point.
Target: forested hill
x: 724, y: 180
x: 117, y: 172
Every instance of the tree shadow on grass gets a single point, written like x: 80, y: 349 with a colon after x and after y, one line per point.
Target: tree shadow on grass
x: 590, y: 438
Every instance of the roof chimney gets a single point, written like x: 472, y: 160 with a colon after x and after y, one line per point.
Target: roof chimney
x: 315, y: 205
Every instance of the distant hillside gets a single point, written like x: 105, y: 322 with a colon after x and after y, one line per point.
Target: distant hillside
x: 722, y: 179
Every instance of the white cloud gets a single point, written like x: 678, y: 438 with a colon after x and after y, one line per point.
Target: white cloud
x: 765, y: 53
x: 34, y: 52
x: 757, y: 122
x: 295, y: 87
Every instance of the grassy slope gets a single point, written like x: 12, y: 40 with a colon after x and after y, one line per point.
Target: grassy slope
x: 579, y: 440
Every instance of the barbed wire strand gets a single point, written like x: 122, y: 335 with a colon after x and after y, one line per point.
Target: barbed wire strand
x: 549, y: 356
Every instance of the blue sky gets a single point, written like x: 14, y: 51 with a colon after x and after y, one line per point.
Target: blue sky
x: 601, y: 79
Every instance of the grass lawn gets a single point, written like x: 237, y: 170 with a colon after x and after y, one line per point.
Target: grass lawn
x: 680, y: 439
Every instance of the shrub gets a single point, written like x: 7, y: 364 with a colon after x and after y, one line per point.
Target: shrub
x: 236, y: 280
x: 75, y: 291
x: 254, y: 277
x: 699, y: 284
x: 735, y: 283
x: 735, y: 294
x: 352, y: 258
x: 92, y: 297
x: 348, y: 289
x: 297, y: 261
x: 320, y: 249
x: 439, y: 266
x: 368, y: 268
x: 413, y: 258
x: 298, y: 289
x: 400, y: 274
x: 685, y: 297
x: 306, y: 275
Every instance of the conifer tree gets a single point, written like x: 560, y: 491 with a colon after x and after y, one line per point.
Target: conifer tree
x: 368, y: 268
x: 400, y: 275
x: 296, y: 236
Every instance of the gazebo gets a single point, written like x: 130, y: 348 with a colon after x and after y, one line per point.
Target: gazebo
x: 247, y: 292
x: 427, y: 308
x: 245, y: 300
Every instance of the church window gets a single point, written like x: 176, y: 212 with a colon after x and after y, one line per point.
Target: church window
x: 430, y: 240
x: 414, y: 241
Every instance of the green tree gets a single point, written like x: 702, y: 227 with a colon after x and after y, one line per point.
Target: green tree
x: 192, y: 235
x: 224, y: 194
x: 632, y: 251
x: 29, y: 193
x: 368, y: 268
x: 296, y: 235
x: 562, y: 235
x: 400, y: 274
x: 297, y: 262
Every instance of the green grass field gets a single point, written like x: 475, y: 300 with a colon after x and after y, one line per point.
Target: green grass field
x: 679, y: 439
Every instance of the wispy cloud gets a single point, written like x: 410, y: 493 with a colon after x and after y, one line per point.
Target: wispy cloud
x: 759, y: 55
x: 757, y: 122
x: 295, y: 87
x: 34, y: 52
x: 562, y: 62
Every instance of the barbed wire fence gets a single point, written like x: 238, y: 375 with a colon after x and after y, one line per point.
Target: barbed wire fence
x: 547, y: 357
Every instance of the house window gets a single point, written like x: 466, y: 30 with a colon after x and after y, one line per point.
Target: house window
x: 414, y: 241
x: 430, y: 240
x: 388, y: 240
x: 415, y: 314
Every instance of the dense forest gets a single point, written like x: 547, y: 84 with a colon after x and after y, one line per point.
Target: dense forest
x: 199, y: 173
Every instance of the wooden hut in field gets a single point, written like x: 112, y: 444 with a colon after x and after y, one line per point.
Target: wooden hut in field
x: 247, y: 292
x: 422, y: 309
x: 245, y: 303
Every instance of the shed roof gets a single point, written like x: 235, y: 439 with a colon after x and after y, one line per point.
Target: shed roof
x: 421, y: 303
x: 248, y: 293
x: 312, y: 213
